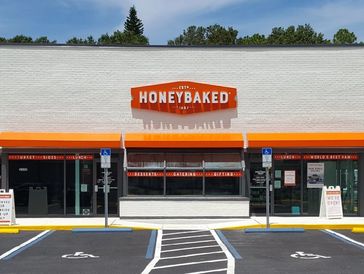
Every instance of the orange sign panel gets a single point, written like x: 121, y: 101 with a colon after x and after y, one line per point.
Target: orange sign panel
x: 183, y: 97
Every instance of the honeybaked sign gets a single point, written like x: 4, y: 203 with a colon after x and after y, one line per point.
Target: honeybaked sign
x: 183, y: 97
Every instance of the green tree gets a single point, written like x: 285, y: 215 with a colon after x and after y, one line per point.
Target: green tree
x: 302, y: 35
x: 218, y: 35
x: 104, y: 39
x: 212, y: 35
x: 2, y: 40
x: 79, y: 41
x: 255, y: 39
x: 344, y: 36
x: 133, y: 24
x: 128, y: 38
x: 21, y: 39
x: 44, y: 40
x: 191, y: 36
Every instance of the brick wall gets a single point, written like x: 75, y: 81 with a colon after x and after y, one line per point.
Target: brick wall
x: 87, y: 89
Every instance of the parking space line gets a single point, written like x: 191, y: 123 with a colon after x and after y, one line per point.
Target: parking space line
x: 191, y: 255
x: 151, y: 245
x: 187, y: 237
x: 20, y: 248
x: 230, y: 257
x: 208, y: 271
x: 188, y: 248
x: 185, y: 232
x: 229, y: 246
x: 190, y: 263
x: 157, y: 253
x: 188, y: 243
x: 343, y: 238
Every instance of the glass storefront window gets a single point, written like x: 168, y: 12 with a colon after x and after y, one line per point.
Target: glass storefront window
x: 38, y: 186
x: 222, y: 185
x: 184, y: 185
x: 145, y: 160
x: 343, y: 173
x: 223, y: 160
x: 144, y: 184
x: 184, y: 160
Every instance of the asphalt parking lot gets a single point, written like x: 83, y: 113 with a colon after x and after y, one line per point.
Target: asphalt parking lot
x: 183, y: 251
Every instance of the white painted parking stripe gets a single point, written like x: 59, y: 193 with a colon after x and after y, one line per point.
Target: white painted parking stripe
x: 190, y: 263
x: 339, y: 235
x: 188, y: 243
x: 231, y: 259
x: 187, y: 237
x: 191, y: 255
x: 187, y: 248
x: 157, y: 254
x: 208, y: 271
x: 185, y: 232
x: 30, y: 241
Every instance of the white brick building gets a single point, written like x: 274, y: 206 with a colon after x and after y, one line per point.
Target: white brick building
x: 67, y: 89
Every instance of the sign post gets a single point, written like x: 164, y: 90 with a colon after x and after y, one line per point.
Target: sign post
x: 267, y: 163
x: 105, y: 164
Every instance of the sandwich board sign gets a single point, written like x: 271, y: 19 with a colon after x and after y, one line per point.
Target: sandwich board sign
x: 7, y: 207
x: 331, y: 206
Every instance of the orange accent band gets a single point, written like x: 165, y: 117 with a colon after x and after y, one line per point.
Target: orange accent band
x: 59, y: 140
x: 303, y: 140
x: 184, y: 140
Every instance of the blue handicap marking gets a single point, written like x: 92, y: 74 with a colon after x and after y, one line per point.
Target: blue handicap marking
x: 105, y: 152
x: 267, y: 151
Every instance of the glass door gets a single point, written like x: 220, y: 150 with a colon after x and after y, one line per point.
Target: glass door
x: 113, y: 194
x: 287, y: 187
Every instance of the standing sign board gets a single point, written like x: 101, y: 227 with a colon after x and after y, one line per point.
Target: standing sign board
x: 105, y: 157
x: 7, y: 207
x: 331, y: 206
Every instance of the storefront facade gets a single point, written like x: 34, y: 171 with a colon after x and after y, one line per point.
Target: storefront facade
x: 186, y: 127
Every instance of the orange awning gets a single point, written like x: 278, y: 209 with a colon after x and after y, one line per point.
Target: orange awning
x: 302, y: 140
x: 59, y: 140
x: 184, y: 140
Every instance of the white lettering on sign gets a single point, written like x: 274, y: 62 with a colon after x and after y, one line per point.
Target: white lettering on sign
x: 171, y: 97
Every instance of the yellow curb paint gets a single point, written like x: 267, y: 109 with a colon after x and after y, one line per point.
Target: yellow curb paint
x: 304, y: 226
x: 9, y: 230
x: 358, y: 230
x: 70, y: 227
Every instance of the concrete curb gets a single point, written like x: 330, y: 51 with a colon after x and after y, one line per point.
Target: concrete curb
x: 357, y: 227
x: 9, y: 230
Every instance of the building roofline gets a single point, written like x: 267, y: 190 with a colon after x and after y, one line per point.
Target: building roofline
x: 194, y: 46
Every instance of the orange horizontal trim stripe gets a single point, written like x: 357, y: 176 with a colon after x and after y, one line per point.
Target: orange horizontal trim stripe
x: 301, y: 140
x: 59, y: 140
x: 184, y: 140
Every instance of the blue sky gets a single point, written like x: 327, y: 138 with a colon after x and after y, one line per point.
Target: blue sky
x: 166, y: 19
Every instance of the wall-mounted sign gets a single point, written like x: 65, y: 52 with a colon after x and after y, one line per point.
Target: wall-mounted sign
x: 48, y: 157
x: 330, y: 157
x: 184, y: 173
x: 289, y: 178
x: 315, y: 175
x: 183, y: 97
x: 316, y: 157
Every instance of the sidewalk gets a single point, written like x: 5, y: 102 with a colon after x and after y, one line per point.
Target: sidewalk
x: 252, y: 222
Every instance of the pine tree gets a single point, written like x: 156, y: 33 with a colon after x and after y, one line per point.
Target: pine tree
x: 133, y: 23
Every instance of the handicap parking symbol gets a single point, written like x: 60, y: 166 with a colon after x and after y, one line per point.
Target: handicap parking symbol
x: 79, y: 255
x: 308, y: 256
